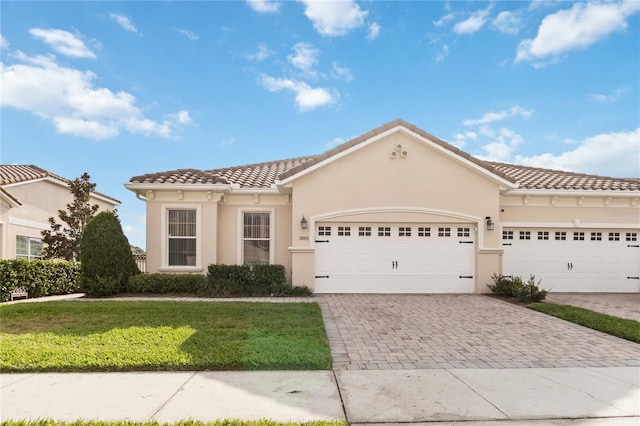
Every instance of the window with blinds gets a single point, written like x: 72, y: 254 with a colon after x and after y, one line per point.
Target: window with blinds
x: 182, y: 237
x: 256, y: 238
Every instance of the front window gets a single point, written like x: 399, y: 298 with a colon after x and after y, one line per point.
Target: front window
x: 28, y: 248
x: 257, y: 238
x: 182, y: 237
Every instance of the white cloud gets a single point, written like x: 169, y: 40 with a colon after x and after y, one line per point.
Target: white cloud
x: 4, y: 44
x: 473, y: 23
x: 124, y: 22
x: 503, y: 146
x: 444, y: 52
x: 67, y: 98
x: 491, y: 117
x: 335, y: 142
x: 507, y: 22
x: 607, y: 154
x: 374, y: 31
x: 334, y: 18
x: 578, y: 27
x: 342, y: 73
x: 63, y: 42
x: 460, y: 139
x: 611, y: 97
x: 307, y: 97
x: 228, y: 142
x: 261, y: 54
x: 446, y: 18
x: 188, y: 33
x: 304, y: 57
x: 264, y: 6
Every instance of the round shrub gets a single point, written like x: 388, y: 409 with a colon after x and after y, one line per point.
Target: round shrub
x: 105, y: 255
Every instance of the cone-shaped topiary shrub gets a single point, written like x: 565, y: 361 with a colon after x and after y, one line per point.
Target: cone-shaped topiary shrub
x: 105, y: 256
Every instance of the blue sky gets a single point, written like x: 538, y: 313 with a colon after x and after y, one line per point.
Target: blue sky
x: 119, y: 89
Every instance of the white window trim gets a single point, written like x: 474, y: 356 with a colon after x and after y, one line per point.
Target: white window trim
x: 272, y: 232
x: 164, y: 246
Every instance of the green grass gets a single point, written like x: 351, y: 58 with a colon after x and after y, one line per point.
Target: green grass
x: 49, y: 422
x: 136, y: 336
x: 619, y: 327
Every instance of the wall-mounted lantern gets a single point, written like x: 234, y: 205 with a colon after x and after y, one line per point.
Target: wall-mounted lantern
x: 303, y: 223
x: 489, y: 223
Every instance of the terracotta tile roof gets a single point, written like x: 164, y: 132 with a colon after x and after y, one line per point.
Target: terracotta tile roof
x: 538, y: 178
x: 10, y: 173
x: 264, y: 175
x: 260, y: 175
x: 8, y: 195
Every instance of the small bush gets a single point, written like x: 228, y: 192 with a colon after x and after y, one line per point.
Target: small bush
x: 516, y: 287
x: 105, y: 254
x: 248, y: 281
x: 165, y: 283
x: 529, y: 291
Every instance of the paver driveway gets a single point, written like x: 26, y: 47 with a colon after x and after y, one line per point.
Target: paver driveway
x: 460, y: 331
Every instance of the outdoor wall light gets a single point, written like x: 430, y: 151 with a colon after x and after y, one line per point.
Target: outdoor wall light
x: 489, y: 223
x: 303, y: 223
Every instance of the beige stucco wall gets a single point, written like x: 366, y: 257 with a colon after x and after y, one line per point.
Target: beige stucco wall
x: 220, y: 231
x: 40, y: 200
x: 426, y: 186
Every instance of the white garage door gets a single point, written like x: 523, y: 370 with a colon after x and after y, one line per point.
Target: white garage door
x: 591, y: 260
x: 394, y: 258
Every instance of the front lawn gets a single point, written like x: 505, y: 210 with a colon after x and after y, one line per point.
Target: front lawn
x: 619, y: 327
x: 130, y: 336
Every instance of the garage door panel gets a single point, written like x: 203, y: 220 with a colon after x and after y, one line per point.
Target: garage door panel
x: 596, y: 260
x: 395, y: 258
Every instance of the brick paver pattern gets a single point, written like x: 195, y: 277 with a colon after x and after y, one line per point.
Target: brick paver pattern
x: 460, y: 331
x: 623, y: 305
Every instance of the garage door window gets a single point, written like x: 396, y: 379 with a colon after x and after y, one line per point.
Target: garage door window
x: 344, y: 231
x: 507, y: 235
x: 578, y: 236
x: 384, y: 231
x: 614, y: 236
x: 324, y: 231
x: 525, y: 235
x: 632, y: 236
x: 561, y: 236
x: 444, y: 232
x: 463, y: 232
x: 364, y: 231
x: 404, y: 232
x: 424, y: 232
x: 596, y: 236
x: 543, y: 235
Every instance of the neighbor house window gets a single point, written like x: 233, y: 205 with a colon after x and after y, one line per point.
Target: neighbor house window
x: 257, y: 238
x: 28, y: 248
x: 182, y: 237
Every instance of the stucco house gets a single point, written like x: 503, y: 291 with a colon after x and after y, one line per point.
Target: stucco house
x: 29, y: 196
x: 397, y: 210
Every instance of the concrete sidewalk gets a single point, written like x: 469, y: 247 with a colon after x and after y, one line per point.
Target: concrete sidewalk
x: 596, y: 395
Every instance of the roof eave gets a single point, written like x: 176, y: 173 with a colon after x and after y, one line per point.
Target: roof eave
x: 613, y: 193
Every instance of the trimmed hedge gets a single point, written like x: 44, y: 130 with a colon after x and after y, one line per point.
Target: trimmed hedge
x: 249, y: 280
x: 165, y: 283
x: 39, y: 277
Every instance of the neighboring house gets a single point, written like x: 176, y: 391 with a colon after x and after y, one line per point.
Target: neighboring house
x: 397, y: 210
x: 29, y: 196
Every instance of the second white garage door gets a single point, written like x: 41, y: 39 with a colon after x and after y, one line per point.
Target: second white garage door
x: 570, y: 260
x: 394, y: 258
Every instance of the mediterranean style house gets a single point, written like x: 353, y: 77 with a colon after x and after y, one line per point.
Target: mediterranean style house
x: 397, y: 210
x: 29, y: 196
